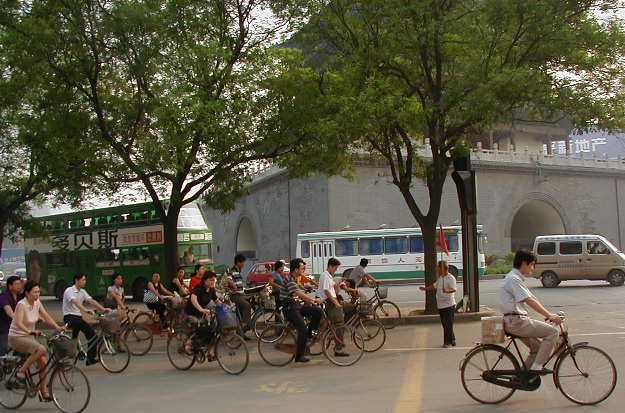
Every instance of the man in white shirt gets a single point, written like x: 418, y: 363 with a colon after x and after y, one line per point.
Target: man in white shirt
x: 540, y: 337
x: 74, y: 299
x: 328, y: 292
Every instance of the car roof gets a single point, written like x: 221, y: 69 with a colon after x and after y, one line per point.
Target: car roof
x: 580, y: 237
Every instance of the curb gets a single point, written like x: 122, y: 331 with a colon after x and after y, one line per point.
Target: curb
x: 435, y: 318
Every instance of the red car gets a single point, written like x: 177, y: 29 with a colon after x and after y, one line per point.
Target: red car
x: 261, y: 273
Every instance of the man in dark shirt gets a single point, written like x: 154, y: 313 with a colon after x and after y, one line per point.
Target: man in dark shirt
x: 8, y: 302
x: 295, y: 312
x: 234, y: 285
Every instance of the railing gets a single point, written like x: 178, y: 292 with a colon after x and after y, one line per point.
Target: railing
x: 527, y: 157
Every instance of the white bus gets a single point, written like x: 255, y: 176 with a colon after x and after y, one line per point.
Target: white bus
x: 392, y: 253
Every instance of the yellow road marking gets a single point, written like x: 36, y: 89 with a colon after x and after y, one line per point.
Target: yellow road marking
x: 286, y: 387
x: 411, y: 393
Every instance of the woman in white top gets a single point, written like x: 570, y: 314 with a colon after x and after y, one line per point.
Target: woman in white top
x: 445, y: 287
x: 115, y: 294
x: 22, y: 333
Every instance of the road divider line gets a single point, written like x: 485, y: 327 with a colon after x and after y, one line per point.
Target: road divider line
x: 411, y: 393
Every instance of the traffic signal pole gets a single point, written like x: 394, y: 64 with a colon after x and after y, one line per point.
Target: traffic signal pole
x: 464, y: 177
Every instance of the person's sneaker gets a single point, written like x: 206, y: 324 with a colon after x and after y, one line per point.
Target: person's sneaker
x: 302, y: 359
x: 542, y: 371
x: 341, y: 354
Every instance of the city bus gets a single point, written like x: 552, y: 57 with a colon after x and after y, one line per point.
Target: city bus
x: 99, y: 243
x: 393, y: 254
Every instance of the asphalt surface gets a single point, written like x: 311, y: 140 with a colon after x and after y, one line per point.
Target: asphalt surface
x: 410, y: 374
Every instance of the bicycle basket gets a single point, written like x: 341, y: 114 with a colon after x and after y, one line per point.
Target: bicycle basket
x: 110, y: 323
x: 382, y: 292
x: 64, y: 347
x: 226, y: 318
x: 365, y: 308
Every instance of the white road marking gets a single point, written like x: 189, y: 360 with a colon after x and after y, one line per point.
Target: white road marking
x: 427, y: 348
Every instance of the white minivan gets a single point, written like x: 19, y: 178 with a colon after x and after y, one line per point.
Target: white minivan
x: 578, y: 257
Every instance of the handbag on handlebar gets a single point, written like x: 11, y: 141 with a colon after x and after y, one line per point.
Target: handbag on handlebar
x: 149, y: 297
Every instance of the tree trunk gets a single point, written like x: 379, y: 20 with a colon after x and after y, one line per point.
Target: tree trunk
x: 170, y: 227
x: 428, y: 230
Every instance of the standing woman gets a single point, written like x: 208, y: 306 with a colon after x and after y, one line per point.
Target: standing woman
x: 445, y: 287
x: 22, y: 332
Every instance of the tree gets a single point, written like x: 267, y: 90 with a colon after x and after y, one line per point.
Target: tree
x: 172, y: 94
x: 394, y: 78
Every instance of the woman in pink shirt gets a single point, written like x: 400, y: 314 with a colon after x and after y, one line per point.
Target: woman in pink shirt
x: 22, y: 333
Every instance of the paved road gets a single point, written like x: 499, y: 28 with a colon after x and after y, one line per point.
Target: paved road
x: 411, y: 374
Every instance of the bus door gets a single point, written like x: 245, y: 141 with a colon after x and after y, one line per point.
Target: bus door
x: 321, y: 251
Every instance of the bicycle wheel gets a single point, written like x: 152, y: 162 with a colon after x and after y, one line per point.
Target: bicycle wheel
x: 476, y: 362
x: 342, y: 346
x: 585, y: 375
x: 372, y: 332
x: 277, y: 345
x: 70, y: 389
x: 114, y: 354
x: 263, y: 319
x: 388, y: 313
x: 231, y: 352
x: 180, y: 351
x: 146, y: 320
x: 139, y: 339
x: 12, y: 393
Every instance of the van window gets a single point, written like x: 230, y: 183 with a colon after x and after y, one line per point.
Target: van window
x: 597, y: 248
x: 570, y: 248
x: 346, y: 247
x: 371, y: 246
x: 395, y: 245
x: 305, y: 249
x: 546, y: 248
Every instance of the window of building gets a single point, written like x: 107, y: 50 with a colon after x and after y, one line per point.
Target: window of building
x: 371, y: 246
x: 346, y: 247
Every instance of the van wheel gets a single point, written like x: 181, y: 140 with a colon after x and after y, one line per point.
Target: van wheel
x: 550, y: 279
x: 453, y: 271
x: 59, y: 289
x: 616, y: 278
x: 138, y: 287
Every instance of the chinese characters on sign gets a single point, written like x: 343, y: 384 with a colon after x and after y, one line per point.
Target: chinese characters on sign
x: 577, y: 146
x: 106, y: 239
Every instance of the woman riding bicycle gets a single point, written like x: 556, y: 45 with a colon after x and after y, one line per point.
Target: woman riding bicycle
x: 22, y: 332
x: 161, y: 293
x: 203, y: 295
x: 115, y: 294
x: 178, y: 285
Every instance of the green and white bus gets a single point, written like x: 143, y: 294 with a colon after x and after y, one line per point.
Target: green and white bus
x: 128, y: 240
x: 393, y: 254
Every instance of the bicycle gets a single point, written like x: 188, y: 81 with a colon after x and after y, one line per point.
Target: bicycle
x: 371, y: 330
x: 113, y: 352
x: 230, y: 351
x: 69, y: 387
x: 278, y: 342
x: 174, y: 318
x: 499, y: 373
x: 384, y: 310
x: 139, y: 338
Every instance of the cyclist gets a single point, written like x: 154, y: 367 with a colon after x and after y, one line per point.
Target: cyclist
x: 234, y: 285
x: 349, y: 286
x: 8, y: 302
x: 177, y: 284
x: 161, y: 294
x: 196, y: 308
x: 115, y: 294
x: 22, y: 332
x: 540, y: 337
x: 360, y: 275
x: 295, y: 312
x: 328, y: 293
x: 198, y: 274
x: 74, y: 298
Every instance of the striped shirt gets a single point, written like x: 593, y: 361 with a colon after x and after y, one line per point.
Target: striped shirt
x: 287, y: 294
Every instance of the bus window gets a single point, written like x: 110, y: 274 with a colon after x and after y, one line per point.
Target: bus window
x: 306, y: 249
x: 371, y: 246
x: 480, y: 242
x: 452, y: 243
x: 107, y: 255
x: 346, y: 247
x: 395, y: 245
x: 153, y: 216
x: 416, y: 245
x: 57, y: 260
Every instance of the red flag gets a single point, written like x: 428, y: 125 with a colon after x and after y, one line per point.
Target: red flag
x: 442, y: 241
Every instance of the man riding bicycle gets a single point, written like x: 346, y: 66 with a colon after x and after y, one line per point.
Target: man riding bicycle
x: 540, y: 337
x: 295, y: 312
x: 234, y: 286
x: 74, y: 299
x: 360, y: 275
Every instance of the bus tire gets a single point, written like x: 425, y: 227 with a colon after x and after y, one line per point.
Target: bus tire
x: 59, y: 288
x: 138, y: 287
x: 453, y: 271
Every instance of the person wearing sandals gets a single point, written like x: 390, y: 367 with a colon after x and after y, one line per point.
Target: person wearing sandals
x: 445, y: 287
x: 22, y: 334
x: 204, y: 294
